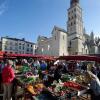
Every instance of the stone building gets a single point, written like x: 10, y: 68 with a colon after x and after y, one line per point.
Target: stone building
x: 17, y: 46
x: 93, y: 44
x: 73, y: 41
x: 55, y: 45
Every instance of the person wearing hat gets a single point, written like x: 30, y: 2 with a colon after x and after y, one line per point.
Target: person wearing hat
x: 7, y: 79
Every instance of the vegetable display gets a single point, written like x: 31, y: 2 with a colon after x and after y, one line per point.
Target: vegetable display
x: 82, y: 79
x: 73, y: 85
x: 35, y: 89
x: 24, y: 69
x: 66, y: 77
x: 61, y: 91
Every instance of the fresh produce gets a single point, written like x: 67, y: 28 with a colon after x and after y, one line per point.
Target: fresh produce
x: 24, y: 69
x: 26, y: 80
x: 31, y: 89
x: 66, y: 77
x: 36, y: 89
x: 82, y: 79
x: 28, y: 74
x: 30, y: 79
x: 62, y: 91
x: 73, y: 85
x: 39, y: 87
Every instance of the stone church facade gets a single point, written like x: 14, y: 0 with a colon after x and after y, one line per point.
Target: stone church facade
x: 74, y: 41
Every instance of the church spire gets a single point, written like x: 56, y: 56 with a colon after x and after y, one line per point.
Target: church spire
x: 72, y: 2
x: 92, y: 35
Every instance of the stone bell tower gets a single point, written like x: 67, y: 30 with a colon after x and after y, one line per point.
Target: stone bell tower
x: 75, y: 28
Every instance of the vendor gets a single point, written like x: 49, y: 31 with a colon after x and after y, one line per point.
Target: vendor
x: 94, y: 86
x: 58, y: 72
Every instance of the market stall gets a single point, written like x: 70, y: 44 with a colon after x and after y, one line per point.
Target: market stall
x: 68, y: 87
x: 80, y: 58
x: 75, y: 80
x: 72, y: 84
x: 26, y: 84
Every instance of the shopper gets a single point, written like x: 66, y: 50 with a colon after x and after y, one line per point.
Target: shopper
x: 37, y: 64
x: 58, y: 72
x: 7, y: 78
x: 94, y: 86
x: 43, y: 66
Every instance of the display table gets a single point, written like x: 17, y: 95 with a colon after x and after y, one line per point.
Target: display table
x: 19, y: 89
x: 24, y: 88
x: 67, y: 90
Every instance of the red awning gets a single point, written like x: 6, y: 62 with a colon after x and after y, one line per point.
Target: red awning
x: 45, y: 57
x: 20, y: 55
x: 1, y: 53
x: 80, y: 58
x: 42, y: 57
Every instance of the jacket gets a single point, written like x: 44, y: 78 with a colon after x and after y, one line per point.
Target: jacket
x: 8, y: 75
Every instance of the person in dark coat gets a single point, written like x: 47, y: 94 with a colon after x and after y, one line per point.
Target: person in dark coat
x: 58, y: 72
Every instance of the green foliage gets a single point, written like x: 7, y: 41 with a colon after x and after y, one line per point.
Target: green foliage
x: 24, y: 69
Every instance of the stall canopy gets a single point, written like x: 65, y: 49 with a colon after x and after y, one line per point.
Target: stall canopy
x: 42, y: 57
x: 20, y: 55
x: 80, y: 58
x: 45, y: 57
x: 1, y: 53
x: 10, y: 55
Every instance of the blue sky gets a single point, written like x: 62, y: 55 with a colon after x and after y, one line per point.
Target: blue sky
x: 30, y: 18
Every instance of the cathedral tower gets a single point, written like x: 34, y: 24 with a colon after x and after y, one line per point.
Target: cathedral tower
x: 75, y: 27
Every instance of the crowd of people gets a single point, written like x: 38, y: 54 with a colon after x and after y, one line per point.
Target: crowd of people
x: 8, y: 72
x: 55, y: 69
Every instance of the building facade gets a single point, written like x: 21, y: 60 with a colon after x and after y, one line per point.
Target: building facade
x: 75, y: 28
x: 17, y: 46
x: 93, y: 44
x: 55, y: 45
x: 73, y: 41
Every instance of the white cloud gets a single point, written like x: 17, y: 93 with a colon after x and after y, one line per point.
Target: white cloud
x: 3, y: 7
